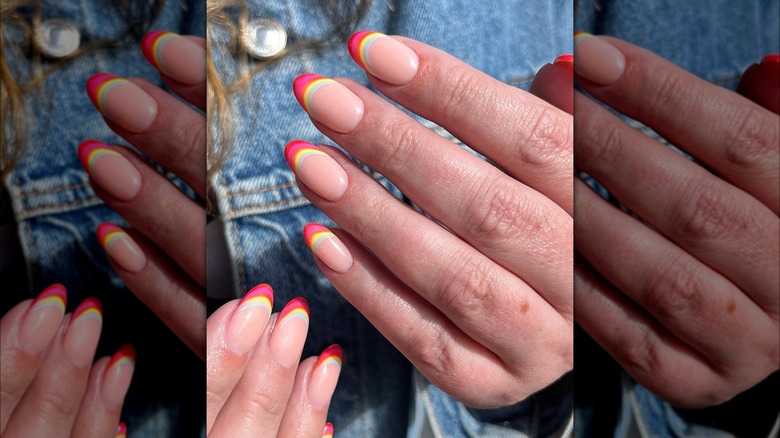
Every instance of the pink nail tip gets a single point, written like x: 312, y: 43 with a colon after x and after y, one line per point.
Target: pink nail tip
x: 564, y: 58
x: 306, y: 85
x: 296, y: 308
x: 125, y: 355
x: 152, y: 45
x: 108, y: 233
x: 297, y: 151
x: 359, y: 44
x: 90, y: 150
x: 331, y: 355
x: 98, y: 85
x: 325, y: 245
x: 54, y: 295
x: 121, y: 431
x: 771, y: 58
x: 327, y: 432
x: 321, y: 173
x: 383, y: 57
x: 89, y: 308
x: 261, y: 295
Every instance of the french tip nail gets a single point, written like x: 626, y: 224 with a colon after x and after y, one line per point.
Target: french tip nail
x: 316, y: 169
x: 384, y: 57
x: 121, y: 431
x: 327, y: 247
x: 114, y: 173
x: 121, y: 247
x: 327, y: 432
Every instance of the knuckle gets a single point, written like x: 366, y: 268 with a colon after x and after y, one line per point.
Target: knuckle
x: 433, y: 353
x: 600, y: 147
x: 753, y: 141
x: 456, y: 91
x: 705, y: 211
x: 543, y: 142
x: 402, y: 138
x: 55, y: 404
x: 676, y: 293
x: 468, y: 287
x: 640, y: 355
x: 498, y: 211
x: 668, y: 87
x: 190, y: 142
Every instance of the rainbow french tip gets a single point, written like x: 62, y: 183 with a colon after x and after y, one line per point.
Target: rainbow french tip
x: 297, y: 308
x: 121, y: 431
x: 358, y: 46
x: 90, y: 150
x: 89, y: 308
x: 327, y: 432
x: 99, y: 85
x: 261, y: 295
x: 306, y: 85
x: 297, y: 151
x: 53, y: 296
x: 152, y: 45
x: 125, y: 355
x: 331, y: 355
x: 314, y: 234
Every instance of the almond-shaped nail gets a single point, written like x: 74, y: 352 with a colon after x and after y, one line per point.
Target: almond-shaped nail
x: 249, y: 319
x: 110, y: 170
x: 327, y: 432
x: 327, y: 247
x: 43, y: 319
x: 597, y: 60
x: 324, y: 376
x: 174, y: 56
x: 116, y: 380
x: 122, y: 102
x: 316, y: 169
x: 121, y: 431
x: 386, y: 58
x: 121, y: 247
x: 83, y: 333
x: 328, y: 102
x: 289, y: 333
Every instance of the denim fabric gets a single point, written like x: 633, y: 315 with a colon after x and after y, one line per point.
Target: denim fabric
x: 57, y: 212
x: 263, y: 212
x: 717, y: 41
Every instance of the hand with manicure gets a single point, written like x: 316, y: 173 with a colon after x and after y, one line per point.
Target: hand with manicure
x: 685, y: 295
x: 255, y: 383
x: 483, y: 307
x: 50, y: 385
x: 162, y: 258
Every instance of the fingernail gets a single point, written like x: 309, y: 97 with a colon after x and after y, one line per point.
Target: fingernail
x: 775, y: 58
x: 597, y: 60
x: 384, y: 57
x: 120, y: 247
x: 327, y: 432
x: 110, y: 170
x: 324, y: 376
x: 328, y: 102
x: 249, y: 319
x: 289, y: 333
x: 121, y: 431
x: 175, y: 56
x: 116, y: 381
x: 327, y: 247
x: 316, y: 169
x: 122, y: 102
x: 83, y: 333
x: 43, y: 319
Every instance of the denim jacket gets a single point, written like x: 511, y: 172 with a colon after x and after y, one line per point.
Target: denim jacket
x: 262, y: 212
x: 57, y: 212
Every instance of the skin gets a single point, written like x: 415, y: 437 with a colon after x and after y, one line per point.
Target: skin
x: 489, y: 301
x: 47, y: 394
x: 690, y: 308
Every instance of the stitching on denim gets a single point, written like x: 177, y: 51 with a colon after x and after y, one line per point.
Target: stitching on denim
x: 635, y: 407
x: 28, y: 213
x: 232, y: 213
x: 53, y: 190
x: 260, y: 190
x: 33, y: 256
x: 239, y: 248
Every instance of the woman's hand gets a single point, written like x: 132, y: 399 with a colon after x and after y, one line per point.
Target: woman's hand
x: 162, y: 259
x: 255, y: 383
x: 689, y: 305
x: 482, y: 307
x: 50, y: 387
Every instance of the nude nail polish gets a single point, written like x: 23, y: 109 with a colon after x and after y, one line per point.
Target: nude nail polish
x: 325, y: 376
x: 121, y: 431
x: 110, y: 170
x: 316, y: 169
x: 327, y: 432
x: 328, y: 102
x: 597, y: 60
x: 121, y: 247
x: 289, y: 333
x: 122, y: 102
x: 249, y: 319
x: 327, y: 247
x: 116, y: 380
x: 174, y: 56
x: 386, y: 58
x: 43, y: 319
x: 83, y: 332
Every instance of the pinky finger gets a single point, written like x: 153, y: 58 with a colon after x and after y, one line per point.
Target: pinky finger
x: 101, y: 406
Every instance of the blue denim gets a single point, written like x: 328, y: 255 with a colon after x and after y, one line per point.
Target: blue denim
x: 263, y: 212
x: 717, y: 41
x: 57, y: 212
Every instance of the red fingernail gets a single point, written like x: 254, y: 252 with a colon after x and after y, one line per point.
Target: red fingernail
x: 564, y: 58
x: 771, y: 58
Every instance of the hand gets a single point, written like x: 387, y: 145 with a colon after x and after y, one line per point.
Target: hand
x: 162, y: 260
x: 255, y: 385
x: 483, y: 308
x: 50, y: 387
x: 688, y: 305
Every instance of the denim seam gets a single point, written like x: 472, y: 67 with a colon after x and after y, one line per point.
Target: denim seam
x: 241, y: 274
x: 230, y: 214
x: 32, y: 256
x: 435, y: 428
x: 27, y: 213
x: 635, y: 407
x: 24, y: 195
x: 261, y: 189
